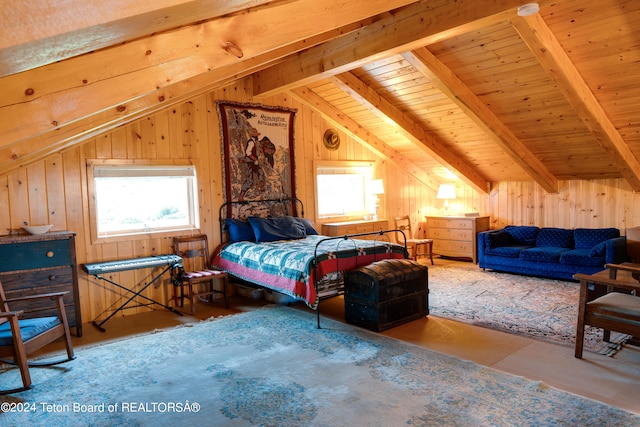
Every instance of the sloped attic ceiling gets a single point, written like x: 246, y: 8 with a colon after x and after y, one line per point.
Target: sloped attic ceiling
x: 434, y: 85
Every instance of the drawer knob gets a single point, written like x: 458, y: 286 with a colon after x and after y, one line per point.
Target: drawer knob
x: 50, y: 254
x: 53, y: 277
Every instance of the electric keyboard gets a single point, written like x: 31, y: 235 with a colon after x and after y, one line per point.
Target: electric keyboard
x: 131, y: 264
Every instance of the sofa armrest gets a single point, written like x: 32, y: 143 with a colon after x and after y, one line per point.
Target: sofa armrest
x: 483, y: 244
x: 616, y: 250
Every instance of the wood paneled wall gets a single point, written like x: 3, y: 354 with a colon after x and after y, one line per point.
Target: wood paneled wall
x: 54, y: 190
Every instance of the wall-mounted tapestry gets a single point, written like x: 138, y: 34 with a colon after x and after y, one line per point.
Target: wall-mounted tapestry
x: 258, y: 152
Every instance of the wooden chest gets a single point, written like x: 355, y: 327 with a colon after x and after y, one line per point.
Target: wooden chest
x: 386, y: 294
x: 41, y: 264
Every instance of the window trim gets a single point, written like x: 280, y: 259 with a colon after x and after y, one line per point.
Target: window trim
x: 317, y: 164
x: 96, y: 238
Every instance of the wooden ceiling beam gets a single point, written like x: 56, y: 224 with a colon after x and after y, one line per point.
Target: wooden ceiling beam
x: 548, y: 51
x: 446, y: 81
x: 411, y: 129
x: 94, y: 90
x: 306, y: 96
x: 409, y: 28
x: 24, y: 152
x: 40, y: 32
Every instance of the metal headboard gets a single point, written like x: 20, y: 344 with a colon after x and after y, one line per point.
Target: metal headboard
x: 266, y: 208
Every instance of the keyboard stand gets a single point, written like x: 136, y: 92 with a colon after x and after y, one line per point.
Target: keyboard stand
x: 136, y: 294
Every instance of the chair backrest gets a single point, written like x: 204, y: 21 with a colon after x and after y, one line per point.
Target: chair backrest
x: 194, y: 251
x: 5, y: 306
x: 633, y: 244
x: 403, y: 223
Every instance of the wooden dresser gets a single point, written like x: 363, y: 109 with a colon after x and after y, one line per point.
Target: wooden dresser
x: 456, y: 236
x: 354, y: 227
x: 40, y: 264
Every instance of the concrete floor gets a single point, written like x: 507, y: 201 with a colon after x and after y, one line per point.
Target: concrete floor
x: 614, y: 380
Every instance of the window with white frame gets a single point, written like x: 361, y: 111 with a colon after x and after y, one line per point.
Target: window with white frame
x: 342, y: 189
x: 133, y: 198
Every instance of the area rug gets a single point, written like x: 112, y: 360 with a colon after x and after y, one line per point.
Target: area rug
x: 272, y: 367
x: 543, y: 309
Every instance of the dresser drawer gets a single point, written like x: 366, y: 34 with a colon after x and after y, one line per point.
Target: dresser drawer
x: 27, y: 255
x: 354, y: 227
x: 450, y: 223
x: 449, y: 234
x: 35, y: 281
x: 364, y: 228
x: 452, y: 247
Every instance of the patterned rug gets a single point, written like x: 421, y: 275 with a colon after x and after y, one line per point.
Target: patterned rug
x: 543, y: 309
x: 272, y: 367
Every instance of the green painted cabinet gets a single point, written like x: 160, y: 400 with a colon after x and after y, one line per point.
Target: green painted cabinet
x: 32, y: 265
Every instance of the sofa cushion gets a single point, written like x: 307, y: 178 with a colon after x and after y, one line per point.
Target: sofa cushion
x: 543, y: 254
x: 499, y: 238
x: 506, y: 251
x: 550, y: 237
x: 522, y: 234
x: 587, y: 238
x: 598, y: 250
x: 581, y: 257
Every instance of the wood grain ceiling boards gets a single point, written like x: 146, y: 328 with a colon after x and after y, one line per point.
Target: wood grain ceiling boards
x: 543, y: 98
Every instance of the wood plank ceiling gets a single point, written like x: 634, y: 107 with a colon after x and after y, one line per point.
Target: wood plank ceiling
x: 435, y: 86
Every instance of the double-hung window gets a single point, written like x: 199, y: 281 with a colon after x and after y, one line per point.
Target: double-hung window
x: 130, y: 198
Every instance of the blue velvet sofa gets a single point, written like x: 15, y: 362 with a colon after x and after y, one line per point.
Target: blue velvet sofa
x: 557, y: 253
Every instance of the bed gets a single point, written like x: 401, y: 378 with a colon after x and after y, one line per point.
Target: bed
x: 267, y: 244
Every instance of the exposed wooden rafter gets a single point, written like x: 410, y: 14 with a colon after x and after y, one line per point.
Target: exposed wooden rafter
x: 409, y: 28
x: 353, y: 128
x: 63, y: 103
x: 546, y: 48
x: 67, y: 28
x: 411, y: 129
x: 64, y: 136
x: 445, y: 80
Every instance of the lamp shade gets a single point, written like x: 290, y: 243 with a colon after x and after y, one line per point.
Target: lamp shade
x: 377, y: 186
x: 446, y: 191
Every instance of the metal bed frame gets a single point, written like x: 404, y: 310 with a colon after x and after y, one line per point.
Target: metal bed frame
x: 291, y: 204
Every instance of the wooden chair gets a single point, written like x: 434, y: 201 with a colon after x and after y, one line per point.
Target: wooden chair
x: 614, y: 311
x: 21, y: 337
x: 197, y: 275
x: 414, y: 246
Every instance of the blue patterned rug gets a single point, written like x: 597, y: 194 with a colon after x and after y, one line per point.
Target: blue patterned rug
x: 544, y: 309
x: 272, y: 367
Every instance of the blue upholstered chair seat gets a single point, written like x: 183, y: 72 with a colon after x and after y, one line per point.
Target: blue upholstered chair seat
x: 29, y: 328
x: 543, y: 254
